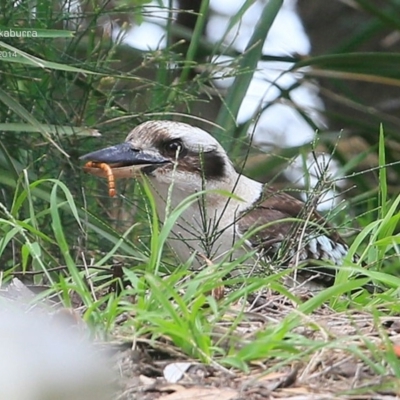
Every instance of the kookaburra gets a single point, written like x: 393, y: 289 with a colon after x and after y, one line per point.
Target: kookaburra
x: 233, y: 214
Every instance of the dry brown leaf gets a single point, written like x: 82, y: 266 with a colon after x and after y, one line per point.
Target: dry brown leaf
x: 200, y: 393
x: 272, y: 376
x: 171, y: 388
x: 146, y: 380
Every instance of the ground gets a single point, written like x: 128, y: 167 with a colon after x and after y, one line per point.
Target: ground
x: 329, y: 373
x: 349, y: 355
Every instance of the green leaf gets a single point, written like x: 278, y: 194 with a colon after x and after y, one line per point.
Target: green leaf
x: 50, y: 129
x: 247, y: 65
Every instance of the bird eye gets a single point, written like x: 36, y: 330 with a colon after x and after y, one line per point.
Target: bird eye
x: 174, y: 146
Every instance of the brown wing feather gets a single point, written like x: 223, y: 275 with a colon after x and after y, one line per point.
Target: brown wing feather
x: 274, y: 206
x: 290, y: 236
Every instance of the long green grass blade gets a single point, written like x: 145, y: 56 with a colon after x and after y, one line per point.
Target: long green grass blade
x: 246, y: 67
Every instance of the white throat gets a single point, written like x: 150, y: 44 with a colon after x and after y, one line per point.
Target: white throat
x: 207, y: 226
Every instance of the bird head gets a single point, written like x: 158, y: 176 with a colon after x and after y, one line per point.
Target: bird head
x: 167, y: 152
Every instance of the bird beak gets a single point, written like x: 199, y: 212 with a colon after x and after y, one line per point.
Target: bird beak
x: 124, y: 160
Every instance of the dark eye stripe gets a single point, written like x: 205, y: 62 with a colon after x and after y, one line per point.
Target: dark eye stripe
x: 210, y: 165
